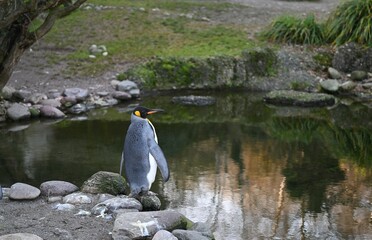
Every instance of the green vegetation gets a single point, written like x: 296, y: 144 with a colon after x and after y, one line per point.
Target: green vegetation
x: 289, y: 29
x: 350, y: 22
x: 137, y: 30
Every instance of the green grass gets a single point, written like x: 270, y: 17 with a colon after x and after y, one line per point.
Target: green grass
x: 290, y: 29
x: 131, y: 34
x: 351, y: 22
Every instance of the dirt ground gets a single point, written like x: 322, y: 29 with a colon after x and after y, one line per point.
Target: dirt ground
x: 34, y: 73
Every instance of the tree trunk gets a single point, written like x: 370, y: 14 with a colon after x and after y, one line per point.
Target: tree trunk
x: 15, y: 20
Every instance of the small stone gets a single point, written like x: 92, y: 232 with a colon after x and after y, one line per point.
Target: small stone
x: 22, y: 191
x: 114, y: 83
x: 330, y: 85
x: 36, y: 98
x: 126, y: 86
x: 358, y: 75
x: 367, y: 85
x: 79, y: 93
x: 121, y: 95
x: 150, y: 202
x: 18, y: 112
x: 77, y: 198
x: 51, y: 112
x: 20, y: 236
x: 68, y: 101
x: 116, y: 203
x: 54, y: 199
x: 54, y: 93
x: 51, y: 102
x: 134, y: 93
x: 102, y: 94
x: 57, y: 188
x: 164, y: 235
x: 348, y: 85
x: 78, y: 109
x: 64, y: 207
x: 35, y: 112
x: 189, y: 235
x: 7, y: 92
x: 333, y: 73
x: 202, y: 228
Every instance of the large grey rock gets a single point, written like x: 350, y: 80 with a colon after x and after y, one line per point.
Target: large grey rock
x: 51, y: 102
x: 194, y: 100
x: 22, y: 191
x: 126, y: 86
x: 295, y: 98
x: 18, y: 111
x: 57, y: 188
x: 78, y: 108
x: 330, y: 85
x: 113, y: 204
x: 351, y: 57
x: 77, y: 198
x: 20, y: 236
x: 7, y: 92
x: 164, y: 235
x: 139, y: 225
x: 79, y: 93
x: 105, y: 182
x: 51, y: 112
x: 333, y: 73
x: 189, y: 235
x: 22, y: 94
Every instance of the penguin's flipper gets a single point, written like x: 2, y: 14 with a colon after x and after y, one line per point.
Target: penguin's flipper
x: 158, y: 154
x: 121, y: 163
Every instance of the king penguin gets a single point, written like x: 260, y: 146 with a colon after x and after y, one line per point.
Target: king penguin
x: 142, y: 155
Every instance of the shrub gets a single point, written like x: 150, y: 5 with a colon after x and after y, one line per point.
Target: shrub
x: 290, y: 29
x: 351, y: 22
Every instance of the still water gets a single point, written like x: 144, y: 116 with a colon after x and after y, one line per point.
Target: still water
x: 249, y: 170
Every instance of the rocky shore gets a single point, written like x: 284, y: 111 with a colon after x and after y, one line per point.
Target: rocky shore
x: 100, y: 202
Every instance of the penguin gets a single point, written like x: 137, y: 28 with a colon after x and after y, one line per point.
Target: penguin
x: 142, y: 155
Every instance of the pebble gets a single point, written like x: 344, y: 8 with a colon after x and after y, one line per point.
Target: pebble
x: 57, y: 188
x: 20, y: 236
x: 51, y: 112
x: 77, y: 198
x: 18, y: 112
x: 64, y: 207
x: 164, y: 235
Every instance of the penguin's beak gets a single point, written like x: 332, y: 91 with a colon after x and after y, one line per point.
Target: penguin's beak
x: 152, y: 111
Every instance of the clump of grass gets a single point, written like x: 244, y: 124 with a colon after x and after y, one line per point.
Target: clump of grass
x: 351, y: 22
x: 290, y: 29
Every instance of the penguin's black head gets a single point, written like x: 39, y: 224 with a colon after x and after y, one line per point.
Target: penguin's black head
x: 143, y: 112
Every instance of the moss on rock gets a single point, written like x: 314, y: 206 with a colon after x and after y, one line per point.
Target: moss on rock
x: 105, y: 182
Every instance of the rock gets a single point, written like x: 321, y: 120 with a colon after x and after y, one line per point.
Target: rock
x: 22, y: 191
x: 126, y: 86
x: 135, y: 93
x: 18, y: 111
x: 53, y: 199
x: 22, y: 94
x: 6, y: 192
x: 295, y: 98
x: 51, y: 102
x: 114, y: 83
x: 106, y: 102
x: 103, y: 94
x: 189, y: 235
x: 20, y: 236
x: 138, y: 225
x: 57, y: 188
x: 63, y: 234
x: 330, y: 85
x: 79, y: 93
x: 150, y: 202
x: 103, y: 197
x: 105, y: 182
x: 348, y: 86
x: 78, y: 108
x: 121, y: 95
x: 367, y: 85
x: 98, y: 50
x: 64, y: 207
x: 51, y: 112
x: 34, y: 111
x: 194, y: 100
x: 36, y: 98
x: 116, y: 203
x: 7, y: 93
x: 351, y: 57
x: 164, y: 235
x: 333, y: 73
x: 54, y: 93
x: 358, y: 75
x: 68, y: 101
x: 77, y: 198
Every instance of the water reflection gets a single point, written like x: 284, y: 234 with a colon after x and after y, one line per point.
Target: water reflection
x: 250, y: 171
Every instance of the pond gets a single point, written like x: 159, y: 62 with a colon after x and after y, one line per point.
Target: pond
x: 251, y: 171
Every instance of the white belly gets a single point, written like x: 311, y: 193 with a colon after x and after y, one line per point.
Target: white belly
x: 152, y: 173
